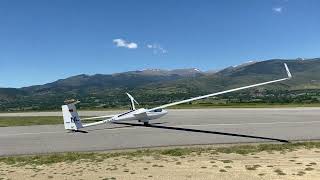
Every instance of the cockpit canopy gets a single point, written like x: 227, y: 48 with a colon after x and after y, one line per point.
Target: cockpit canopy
x: 157, y: 110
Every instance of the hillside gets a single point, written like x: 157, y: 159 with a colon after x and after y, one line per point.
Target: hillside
x: 155, y: 86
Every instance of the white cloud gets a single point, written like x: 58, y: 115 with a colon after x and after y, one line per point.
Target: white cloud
x: 277, y: 9
x: 123, y: 43
x: 157, y: 48
x: 132, y: 45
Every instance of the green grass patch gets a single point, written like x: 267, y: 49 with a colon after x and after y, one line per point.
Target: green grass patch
x: 226, y: 161
x: 30, y: 120
x: 98, y: 156
x: 309, y: 169
x: 27, y: 121
x: 301, y: 173
x: 280, y: 172
x: 247, y: 149
x: 178, y: 151
x: 252, y: 167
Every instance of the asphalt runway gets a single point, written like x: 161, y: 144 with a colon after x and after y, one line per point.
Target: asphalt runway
x: 179, y: 127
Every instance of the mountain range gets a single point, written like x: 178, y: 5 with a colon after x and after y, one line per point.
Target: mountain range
x: 157, y: 86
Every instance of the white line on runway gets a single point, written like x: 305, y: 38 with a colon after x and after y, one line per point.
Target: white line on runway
x: 186, y: 125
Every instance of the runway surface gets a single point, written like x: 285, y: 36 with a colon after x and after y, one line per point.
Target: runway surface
x: 179, y: 127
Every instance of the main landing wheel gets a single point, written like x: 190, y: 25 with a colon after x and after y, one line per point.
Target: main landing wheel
x: 146, y: 123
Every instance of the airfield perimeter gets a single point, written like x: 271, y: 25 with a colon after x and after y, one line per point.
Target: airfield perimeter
x: 179, y: 127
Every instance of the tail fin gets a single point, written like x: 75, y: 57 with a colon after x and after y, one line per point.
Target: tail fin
x: 71, y: 118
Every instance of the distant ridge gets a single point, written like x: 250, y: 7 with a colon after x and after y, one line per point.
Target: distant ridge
x: 156, y: 86
x: 162, y: 72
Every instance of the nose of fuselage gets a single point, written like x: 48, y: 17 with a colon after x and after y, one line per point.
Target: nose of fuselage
x: 156, y: 115
x: 164, y: 112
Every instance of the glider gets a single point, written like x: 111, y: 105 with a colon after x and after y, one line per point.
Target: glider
x: 72, y: 120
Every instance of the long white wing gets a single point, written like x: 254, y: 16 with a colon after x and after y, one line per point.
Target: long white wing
x: 223, y: 92
x: 98, y: 117
x: 97, y: 123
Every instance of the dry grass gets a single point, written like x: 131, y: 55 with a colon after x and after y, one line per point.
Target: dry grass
x: 176, y: 163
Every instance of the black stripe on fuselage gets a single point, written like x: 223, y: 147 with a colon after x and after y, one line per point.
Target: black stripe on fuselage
x: 125, y: 113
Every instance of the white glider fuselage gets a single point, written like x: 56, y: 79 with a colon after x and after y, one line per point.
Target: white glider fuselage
x: 145, y: 116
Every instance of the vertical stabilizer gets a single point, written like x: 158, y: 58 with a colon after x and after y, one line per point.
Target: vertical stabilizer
x: 70, y: 117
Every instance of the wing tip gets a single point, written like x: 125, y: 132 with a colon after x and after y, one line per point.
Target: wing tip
x: 287, y: 70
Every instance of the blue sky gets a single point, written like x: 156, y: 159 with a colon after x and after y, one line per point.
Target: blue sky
x: 45, y: 40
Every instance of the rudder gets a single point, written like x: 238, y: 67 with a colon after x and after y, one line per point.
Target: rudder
x: 70, y: 117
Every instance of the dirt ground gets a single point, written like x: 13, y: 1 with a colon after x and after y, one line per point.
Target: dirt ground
x: 298, y: 164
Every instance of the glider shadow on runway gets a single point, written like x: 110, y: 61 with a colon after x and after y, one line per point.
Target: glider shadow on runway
x: 205, y: 131
x: 106, y: 128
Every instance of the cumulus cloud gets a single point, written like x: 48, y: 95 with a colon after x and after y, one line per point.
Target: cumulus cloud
x: 157, y: 48
x: 277, y: 9
x: 154, y: 47
x: 123, y: 43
